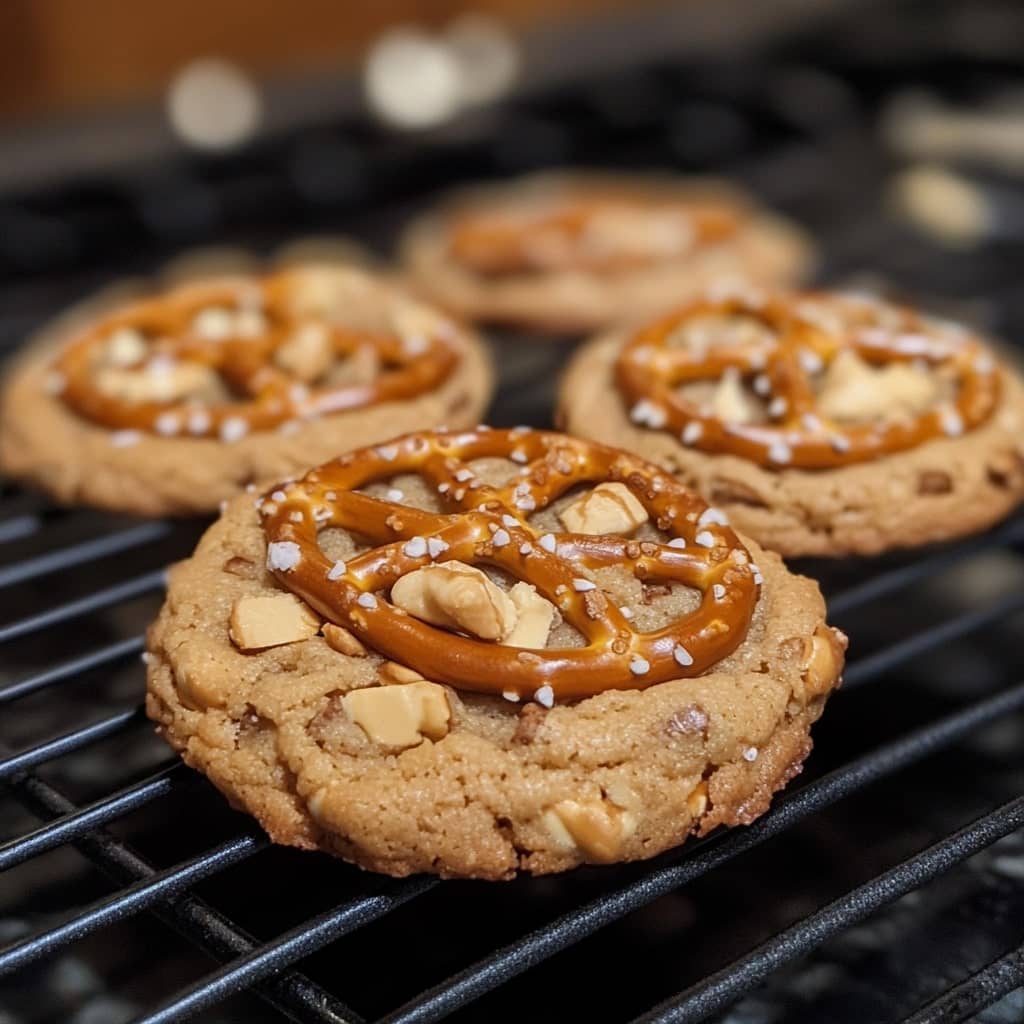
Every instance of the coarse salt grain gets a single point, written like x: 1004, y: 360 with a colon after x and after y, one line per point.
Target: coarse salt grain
x: 713, y: 515
x: 510, y: 521
x: 810, y: 361
x: 525, y: 503
x: 233, y: 429
x: 677, y: 542
x: 762, y: 385
x: 296, y: 516
x: 337, y: 570
x: 750, y: 754
x: 692, y: 432
x: 548, y: 542
x: 626, y: 611
x: 718, y: 591
x: 463, y: 475
x: 125, y: 438
x: 545, y: 695
x: 510, y: 695
x: 167, y: 424
x: 778, y: 406
x: 647, y: 414
x: 394, y: 495
x: 639, y: 666
x: 198, y: 421
x: 501, y: 538
x: 283, y: 555
x: 582, y: 585
x: 366, y: 601
x: 839, y: 443
x: 518, y: 455
x: 780, y: 452
x: 278, y: 496
x: 526, y: 548
x: 415, y: 548
x: 704, y: 539
x: 682, y: 655
x: 388, y: 452
x: 952, y: 423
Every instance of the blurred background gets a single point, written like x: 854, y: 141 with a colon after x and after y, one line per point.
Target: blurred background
x: 137, y: 133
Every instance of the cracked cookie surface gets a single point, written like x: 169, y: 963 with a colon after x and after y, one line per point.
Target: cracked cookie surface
x: 463, y: 784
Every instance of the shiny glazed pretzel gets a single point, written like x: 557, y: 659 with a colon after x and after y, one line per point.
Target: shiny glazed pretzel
x: 488, y: 526
x: 566, y: 237
x: 782, y: 369
x: 264, y: 395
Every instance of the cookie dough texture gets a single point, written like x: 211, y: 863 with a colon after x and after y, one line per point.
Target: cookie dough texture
x: 944, y: 489
x: 507, y: 787
x: 767, y: 250
x: 44, y: 442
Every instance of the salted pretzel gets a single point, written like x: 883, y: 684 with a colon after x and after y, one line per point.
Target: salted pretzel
x: 782, y: 369
x: 486, y: 525
x: 574, y: 234
x: 262, y: 394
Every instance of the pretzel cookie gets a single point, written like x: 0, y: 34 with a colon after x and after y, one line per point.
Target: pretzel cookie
x: 568, y: 253
x: 483, y: 652
x: 824, y: 424
x: 174, y: 402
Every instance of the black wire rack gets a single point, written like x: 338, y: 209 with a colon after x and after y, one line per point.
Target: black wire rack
x: 893, y: 871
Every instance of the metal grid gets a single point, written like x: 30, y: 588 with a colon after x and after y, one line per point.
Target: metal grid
x: 90, y: 578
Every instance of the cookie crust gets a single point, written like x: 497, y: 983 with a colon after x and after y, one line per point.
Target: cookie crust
x: 767, y: 250
x: 270, y: 730
x: 44, y: 442
x: 938, y: 491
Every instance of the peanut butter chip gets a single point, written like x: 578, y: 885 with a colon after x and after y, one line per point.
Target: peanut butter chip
x: 308, y: 354
x: 402, y: 715
x: 853, y: 390
x: 608, y: 508
x: 270, y: 621
x: 597, y: 827
x: 456, y: 596
x: 535, y: 615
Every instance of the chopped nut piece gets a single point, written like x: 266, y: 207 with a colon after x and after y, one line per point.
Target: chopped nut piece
x: 597, y: 827
x: 259, y: 621
x: 456, y: 596
x: 535, y: 617
x: 177, y: 381
x: 730, y: 402
x: 400, y: 716
x: 608, y: 508
x: 854, y: 390
x: 343, y: 641
x: 823, y: 659
x: 239, y: 566
x: 393, y: 672
x: 697, y: 801
x: 308, y: 353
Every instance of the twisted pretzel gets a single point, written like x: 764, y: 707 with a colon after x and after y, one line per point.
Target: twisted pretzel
x: 501, y: 242
x: 264, y: 394
x: 489, y: 525
x: 797, y: 434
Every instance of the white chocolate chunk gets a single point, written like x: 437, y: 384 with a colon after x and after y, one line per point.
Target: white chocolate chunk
x: 608, y: 508
x: 456, y: 596
x: 260, y: 621
x: 535, y: 617
x: 730, y: 402
x: 176, y: 381
x: 402, y: 715
x: 308, y: 353
x: 854, y: 390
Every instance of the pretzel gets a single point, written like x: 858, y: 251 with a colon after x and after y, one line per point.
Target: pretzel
x: 567, y: 237
x: 782, y: 371
x: 490, y: 526
x: 262, y: 394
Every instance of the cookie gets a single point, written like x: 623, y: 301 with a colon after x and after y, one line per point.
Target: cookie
x: 171, y: 403
x: 823, y: 424
x: 571, y: 253
x: 488, y: 652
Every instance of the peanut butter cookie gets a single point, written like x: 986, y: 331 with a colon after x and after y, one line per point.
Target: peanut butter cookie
x: 486, y: 652
x: 575, y: 252
x: 823, y: 424
x: 175, y: 402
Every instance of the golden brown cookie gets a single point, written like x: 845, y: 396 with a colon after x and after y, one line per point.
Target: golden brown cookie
x: 823, y: 424
x: 576, y: 252
x: 176, y: 401
x: 487, y: 652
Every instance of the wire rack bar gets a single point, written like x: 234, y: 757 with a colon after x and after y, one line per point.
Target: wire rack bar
x: 301, y: 941
x: 865, y: 669
x: 982, y: 989
x: 885, y: 583
x: 68, y: 742
x: 293, y: 994
x: 721, y: 989
x: 18, y: 528
x: 93, y: 602
x: 79, y: 822
x: 83, y: 551
x: 73, y: 667
x: 135, y: 898
x: 517, y: 957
